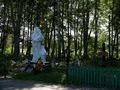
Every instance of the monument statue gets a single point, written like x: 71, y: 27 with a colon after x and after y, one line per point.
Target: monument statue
x: 38, y: 49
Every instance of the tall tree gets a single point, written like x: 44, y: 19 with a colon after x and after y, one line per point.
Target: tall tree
x: 96, y: 26
x: 17, y: 30
x: 112, y: 29
x: 116, y: 25
x: 3, y: 27
x: 53, y: 25
x: 86, y: 26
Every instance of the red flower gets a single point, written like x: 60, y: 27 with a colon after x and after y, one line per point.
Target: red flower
x: 39, y: 65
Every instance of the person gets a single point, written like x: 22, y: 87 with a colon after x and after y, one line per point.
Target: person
x: 38, y: 49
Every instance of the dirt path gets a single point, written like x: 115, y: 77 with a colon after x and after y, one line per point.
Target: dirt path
x: 11, y: 84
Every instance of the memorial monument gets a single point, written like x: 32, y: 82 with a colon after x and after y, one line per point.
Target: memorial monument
x: 38, y: 50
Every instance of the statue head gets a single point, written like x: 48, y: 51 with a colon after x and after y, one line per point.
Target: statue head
x: 37, y: 30
x: 37, y: 35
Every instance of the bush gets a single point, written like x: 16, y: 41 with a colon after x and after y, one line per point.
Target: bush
x: 51, y: 77
x: 4, y: 67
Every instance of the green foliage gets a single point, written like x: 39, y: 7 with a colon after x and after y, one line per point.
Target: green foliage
x: 60, y: 66
x: 102, y: 37
x: 4, y: 67
x: 5, y: 64
x: 54, y: 17
x: 9, y: 40
x: 51, y: 77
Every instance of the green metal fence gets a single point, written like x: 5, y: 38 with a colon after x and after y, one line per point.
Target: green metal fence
x: 95, y: 76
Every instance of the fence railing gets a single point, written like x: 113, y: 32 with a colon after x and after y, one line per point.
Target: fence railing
x: 95, y: 76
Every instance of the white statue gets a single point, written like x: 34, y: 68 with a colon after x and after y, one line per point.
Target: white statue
x: 38, y: 50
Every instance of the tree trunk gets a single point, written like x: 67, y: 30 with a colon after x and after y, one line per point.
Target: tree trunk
x: 112, y: 30
x: 109, y: 36
x: 49, y: 39
x: 85, y: 24
x: 17, y: 32
x: 63, y: 48
x: 96, y: 28
x: 13, y: 23
x: 53, y: 25
x: 117, y: 48
x: 23, y: 39
x: 3, y: 42
x: 28, y: 38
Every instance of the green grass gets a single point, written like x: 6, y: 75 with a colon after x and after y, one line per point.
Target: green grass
x: 45, y: 77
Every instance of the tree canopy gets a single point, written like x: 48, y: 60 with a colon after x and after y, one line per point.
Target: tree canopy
x: 81, y: 26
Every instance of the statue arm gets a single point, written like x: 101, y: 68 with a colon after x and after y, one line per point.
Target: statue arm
x: 38, y: 38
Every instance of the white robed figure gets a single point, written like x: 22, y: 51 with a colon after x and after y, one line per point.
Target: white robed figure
x: 38, y: 50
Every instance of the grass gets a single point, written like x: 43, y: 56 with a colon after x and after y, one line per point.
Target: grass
x: 45, y: 77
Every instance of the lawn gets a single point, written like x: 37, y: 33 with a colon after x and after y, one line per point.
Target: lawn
x: 45, y: 77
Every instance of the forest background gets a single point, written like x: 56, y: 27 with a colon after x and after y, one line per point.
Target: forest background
x: 79, y: 27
